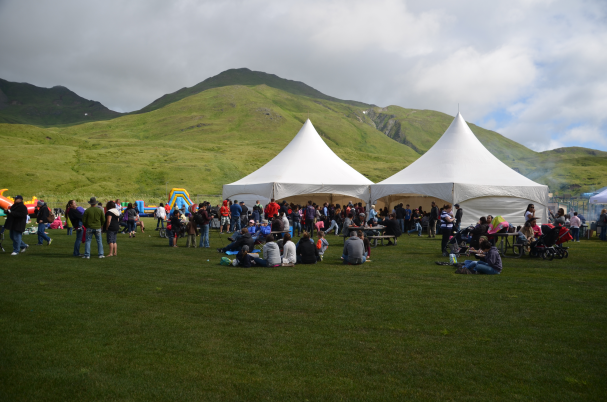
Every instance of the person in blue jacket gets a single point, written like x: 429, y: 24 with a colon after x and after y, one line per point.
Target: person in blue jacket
x: 235, y: 211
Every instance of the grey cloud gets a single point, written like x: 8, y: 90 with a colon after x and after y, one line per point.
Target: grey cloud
x: 534, y: 58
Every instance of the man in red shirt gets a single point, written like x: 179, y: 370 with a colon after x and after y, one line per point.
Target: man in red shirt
x: 271, y: 209
x: 224, y: 213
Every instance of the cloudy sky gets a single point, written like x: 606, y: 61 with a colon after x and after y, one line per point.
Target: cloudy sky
x: 533, y: 70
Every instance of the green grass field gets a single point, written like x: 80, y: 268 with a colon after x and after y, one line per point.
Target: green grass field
x: 162, y: 324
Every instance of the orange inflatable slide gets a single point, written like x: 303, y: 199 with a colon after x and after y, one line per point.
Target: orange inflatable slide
x: 7, y: 202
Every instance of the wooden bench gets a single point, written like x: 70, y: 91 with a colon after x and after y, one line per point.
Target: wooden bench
x: 375, y: 238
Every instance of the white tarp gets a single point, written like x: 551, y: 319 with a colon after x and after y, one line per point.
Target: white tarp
x: 459, y: 168
x: 600, y: 198
x: 290, y: 174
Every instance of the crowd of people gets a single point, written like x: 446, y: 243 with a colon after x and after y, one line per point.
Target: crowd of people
x: 268, y: 228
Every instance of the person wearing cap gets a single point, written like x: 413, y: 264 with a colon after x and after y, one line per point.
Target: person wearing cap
x: 42, y: 213
x: 458, y: 217
x: 16, y: 216
x: 93, y: 220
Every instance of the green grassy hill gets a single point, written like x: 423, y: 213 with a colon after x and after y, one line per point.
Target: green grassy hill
x: 244, y: 76
x: 200, y: 143
x: 22, y: 103
x: 220, y: 134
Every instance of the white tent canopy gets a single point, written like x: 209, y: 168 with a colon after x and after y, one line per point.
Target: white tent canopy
x: 330, y: 179
x: 600, y: 198
x: 459, y: 169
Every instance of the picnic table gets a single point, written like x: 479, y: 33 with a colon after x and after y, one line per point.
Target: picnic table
x: 504, y: 244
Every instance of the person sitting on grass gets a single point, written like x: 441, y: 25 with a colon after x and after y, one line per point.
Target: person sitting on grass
x: 289, y: 253
x: 244, y: 258
x: 354, y: 249
x: 392, y: 228
x: 307, y: 253
x: 245, y: 238
x: 271, y: 254
x: 490, y: 261
x: 322, y: 244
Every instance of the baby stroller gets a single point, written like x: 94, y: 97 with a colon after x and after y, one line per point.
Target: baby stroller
x: 564, y: 236
x: 545, y: 245
x: 459, y: 243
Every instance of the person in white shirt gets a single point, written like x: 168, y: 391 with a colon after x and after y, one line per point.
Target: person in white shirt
x: 160, y: 215
x: 530, y: 212
x: 289, y: 255
x: 574, y: 226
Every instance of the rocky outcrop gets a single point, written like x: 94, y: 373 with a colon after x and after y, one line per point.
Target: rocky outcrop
x: 390, y: 126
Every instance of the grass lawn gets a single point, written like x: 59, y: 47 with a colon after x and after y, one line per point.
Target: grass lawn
x: 161, y: 324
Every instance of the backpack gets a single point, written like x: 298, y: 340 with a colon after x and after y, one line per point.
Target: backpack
x: 225, y: 261
x: 51, y: 216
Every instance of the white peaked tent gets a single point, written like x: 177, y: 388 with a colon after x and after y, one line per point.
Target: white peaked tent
x: 459, y: 169
x: 290, y: 175
x: 600, y: 198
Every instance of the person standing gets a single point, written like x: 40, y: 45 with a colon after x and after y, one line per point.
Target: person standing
x: 176, y: 226
x: 191, y: 231
x: 310, y: 213
x: 131, y: 220
x: 575, y: 224
x: 259, y: 207
x: 271, y: 209
x: 75, y: 215
x: 530, y: 212
x: 204, y: 221
x: 160, y: 215
x: 93, y: 220
x: 224, y: 212
x: 244, y: 214
x: 433, y: 219
x: 42, y: 214
x: 235, y: 212
x: 16, y: 217
x: 112, y: 225
x: 602, y: 223
x: 459, y: 214
x: 399, y: 211
x: 446, y: 226
x: 407, y: 218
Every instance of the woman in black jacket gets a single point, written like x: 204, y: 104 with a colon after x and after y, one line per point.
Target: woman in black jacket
x: 307, y: 253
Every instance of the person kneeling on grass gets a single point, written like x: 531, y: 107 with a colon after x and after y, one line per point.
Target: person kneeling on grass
x: 490, y: 261
x: 354, y: 249
x: 307, y: 253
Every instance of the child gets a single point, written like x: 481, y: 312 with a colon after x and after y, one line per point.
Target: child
x: 322, y: 244
x: 367, y: 245
x: 192, y: 231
